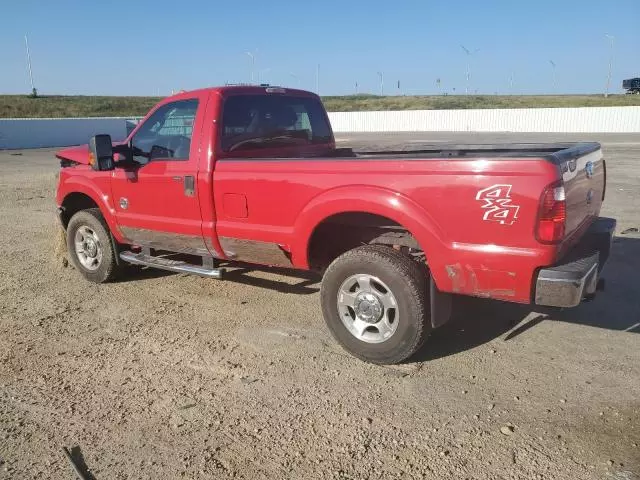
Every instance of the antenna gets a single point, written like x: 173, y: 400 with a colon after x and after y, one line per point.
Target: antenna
x: 34, y: 92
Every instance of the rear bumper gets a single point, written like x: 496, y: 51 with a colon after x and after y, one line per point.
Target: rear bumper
x: 576, y: 277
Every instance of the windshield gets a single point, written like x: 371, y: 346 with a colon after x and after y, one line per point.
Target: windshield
x: 264, y: 121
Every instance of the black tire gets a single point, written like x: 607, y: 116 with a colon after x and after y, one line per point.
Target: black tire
x: 408, y: 282
x: 108, y: 268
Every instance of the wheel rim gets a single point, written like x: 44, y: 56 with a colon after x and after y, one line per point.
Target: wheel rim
x: 368, y: 308
x: 88, y: 248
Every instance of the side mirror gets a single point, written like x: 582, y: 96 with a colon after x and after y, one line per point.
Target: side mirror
x: 101, y: 153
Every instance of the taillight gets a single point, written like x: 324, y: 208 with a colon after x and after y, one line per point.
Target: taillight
x: 552, y: 215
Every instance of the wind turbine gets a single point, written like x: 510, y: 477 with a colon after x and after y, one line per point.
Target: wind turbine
x: 34, y: 92
x: 261, y: 73
x: 611, y: 39
x: 253, y: 64
x: 381, y: 75
x: 469, y: 54
x: 553, y: 64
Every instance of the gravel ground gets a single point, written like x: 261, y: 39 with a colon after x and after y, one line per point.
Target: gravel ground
x: 172, y: 376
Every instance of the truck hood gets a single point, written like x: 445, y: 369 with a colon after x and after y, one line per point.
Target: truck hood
x: 79, y: 154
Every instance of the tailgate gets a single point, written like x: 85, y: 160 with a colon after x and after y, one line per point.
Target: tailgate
x: 584, y: 177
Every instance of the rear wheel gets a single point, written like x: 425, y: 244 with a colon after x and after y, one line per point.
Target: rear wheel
x: 374, y: 301
x: 90, y: 246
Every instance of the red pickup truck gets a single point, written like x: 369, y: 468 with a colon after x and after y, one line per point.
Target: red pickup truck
x: 252, y: 174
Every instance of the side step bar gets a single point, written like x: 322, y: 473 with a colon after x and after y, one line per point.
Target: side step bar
x: 171, y: 265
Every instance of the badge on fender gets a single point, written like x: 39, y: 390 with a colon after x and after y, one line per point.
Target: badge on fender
x: 497, y: 204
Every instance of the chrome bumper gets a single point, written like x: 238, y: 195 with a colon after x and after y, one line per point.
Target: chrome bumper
x: 576, y: 277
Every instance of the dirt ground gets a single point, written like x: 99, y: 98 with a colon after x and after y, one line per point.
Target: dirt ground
x: 171, y: 376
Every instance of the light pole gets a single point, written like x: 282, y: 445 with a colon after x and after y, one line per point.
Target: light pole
x: 253, y: 64
x: 611, y: 39
x: 553, y: 65
x: 34, y: 92
x: 381, y: 75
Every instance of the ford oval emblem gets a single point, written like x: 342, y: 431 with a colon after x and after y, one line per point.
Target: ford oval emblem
x: 588, y: 168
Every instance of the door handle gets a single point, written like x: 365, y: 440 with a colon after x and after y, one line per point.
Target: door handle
x: 189, y: 185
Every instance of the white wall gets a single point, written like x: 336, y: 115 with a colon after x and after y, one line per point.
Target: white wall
x: 551, y: 120
x: 57, y: 132
x: 31, y: 133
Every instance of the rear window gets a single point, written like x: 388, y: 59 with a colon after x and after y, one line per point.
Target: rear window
x: 251, y: 122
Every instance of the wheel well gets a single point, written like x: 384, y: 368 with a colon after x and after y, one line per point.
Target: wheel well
x: 73, y: 203
x: 342, y: 232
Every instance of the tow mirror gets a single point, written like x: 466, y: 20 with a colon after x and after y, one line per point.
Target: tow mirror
x: 101, y: 152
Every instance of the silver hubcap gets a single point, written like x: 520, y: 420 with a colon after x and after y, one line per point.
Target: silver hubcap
x: 88, y: 248
x: 368, y: 308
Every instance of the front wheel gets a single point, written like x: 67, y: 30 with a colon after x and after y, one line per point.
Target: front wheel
x: 90, y: 247
x: 374, y: 301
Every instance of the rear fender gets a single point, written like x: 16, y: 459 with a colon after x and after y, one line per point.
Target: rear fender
x: 374, y: 200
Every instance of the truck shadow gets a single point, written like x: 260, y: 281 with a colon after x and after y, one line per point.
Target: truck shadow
x: 477, y: 321
x: 309, y: 281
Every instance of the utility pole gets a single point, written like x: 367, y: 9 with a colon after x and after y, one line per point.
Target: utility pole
x: 611, y: 39
x: 381, y: 75
x: 34, y: 92
x: 553, y: 65
x: 468, y: 75
x: 253, y: 64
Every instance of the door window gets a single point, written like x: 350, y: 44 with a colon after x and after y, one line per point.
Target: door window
x: 166, y: 134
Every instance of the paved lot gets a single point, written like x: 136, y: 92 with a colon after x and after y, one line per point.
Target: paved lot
x: 171, y: 376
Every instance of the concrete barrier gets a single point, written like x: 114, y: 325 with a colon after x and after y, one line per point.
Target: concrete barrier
x: 33, y: 133
x: 57, y: 132
x: 549, y: 120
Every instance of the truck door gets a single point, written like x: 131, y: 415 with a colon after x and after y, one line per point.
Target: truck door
x: 155, y: 199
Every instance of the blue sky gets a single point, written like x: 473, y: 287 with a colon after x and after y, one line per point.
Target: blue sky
x: 150, y: 47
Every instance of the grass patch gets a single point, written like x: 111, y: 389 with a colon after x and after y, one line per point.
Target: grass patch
x: 24, y: 106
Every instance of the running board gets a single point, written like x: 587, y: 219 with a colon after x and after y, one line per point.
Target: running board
x: 172, y: 265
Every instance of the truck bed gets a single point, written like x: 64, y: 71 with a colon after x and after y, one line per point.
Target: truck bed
x: 553, y: 152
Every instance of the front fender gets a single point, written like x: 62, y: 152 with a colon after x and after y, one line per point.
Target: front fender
x: 99, y: 190
x: 368, y: 199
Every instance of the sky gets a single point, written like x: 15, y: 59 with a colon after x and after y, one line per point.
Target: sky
x: 153, y: 47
